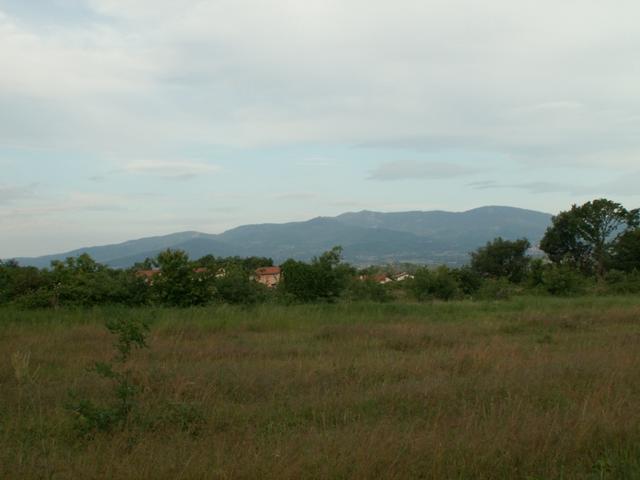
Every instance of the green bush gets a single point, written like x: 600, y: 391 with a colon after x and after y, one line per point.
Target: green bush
x: 563, y: 281
x: 90, y: 416
x: 237, y: 288
x: 324, y: 279
x: 469, y: 281
x: 41, y: 298
x: 440, y: 284
x: 367, y: 289
x: 502, y: 258
x: 619, y: 282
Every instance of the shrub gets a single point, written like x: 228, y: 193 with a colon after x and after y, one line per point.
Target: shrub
x: 563, y: 281
x: 440, y: 283
x: 367, y: 289
x: 469, y: 281
x: 236, y: 287
x: 90, y: 416
x: 325, y: 279
x: 41, y: 298
x: 620, y: 282
x: 502, y: 258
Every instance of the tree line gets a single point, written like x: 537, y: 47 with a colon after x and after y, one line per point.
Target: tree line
x: 591, y: 248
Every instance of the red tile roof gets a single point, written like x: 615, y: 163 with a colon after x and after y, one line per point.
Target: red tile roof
x: 147, y: 273
x: 268, y: 271
x: 381, y: 277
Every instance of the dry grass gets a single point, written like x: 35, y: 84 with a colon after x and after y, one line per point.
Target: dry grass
x: 531, y: 389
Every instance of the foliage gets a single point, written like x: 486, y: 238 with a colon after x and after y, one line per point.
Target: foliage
x: 90, y: 416
x: 584, y: 236
x: 562, y: 280
x: 367, y: 289
x: 590, y: 239
x: 324, y: 279
x: 173, y: 285
x: 236, y: 287
x: 440, y: 284
x: 620, y: 282
x: 502, y: 259
x: 469, y: 281
x: 626, y: 251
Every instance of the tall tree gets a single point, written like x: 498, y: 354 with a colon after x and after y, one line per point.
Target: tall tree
x: 626, y: 251
x: 584, y: 235
x: 324, y: 279
x: 502, y: 258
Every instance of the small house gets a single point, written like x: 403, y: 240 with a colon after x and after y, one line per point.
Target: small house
x: 402, y: 276
x: 147, y: 275
x: 269, y: 276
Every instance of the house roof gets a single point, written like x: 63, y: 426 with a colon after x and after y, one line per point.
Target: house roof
x: 380, y: 277
x: 402, y: 274
x: 268, y: 271
x: 147, y: 273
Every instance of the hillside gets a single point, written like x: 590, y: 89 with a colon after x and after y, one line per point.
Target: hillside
x: 367, y: 237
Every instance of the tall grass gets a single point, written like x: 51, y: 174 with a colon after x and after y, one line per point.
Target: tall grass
x: 529, y: 388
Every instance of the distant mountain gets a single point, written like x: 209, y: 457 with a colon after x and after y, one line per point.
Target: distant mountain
x: 367, y: 237
x: 465, y: 230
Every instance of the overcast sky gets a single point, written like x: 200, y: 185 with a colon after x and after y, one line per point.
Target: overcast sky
x: 127, y: 118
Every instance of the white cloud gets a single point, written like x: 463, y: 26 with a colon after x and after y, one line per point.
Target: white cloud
x: 295, y: 196
x: 13, y: 193
x: 413, y: 170
x: 504, y: 77
x: 177, y: 170
x: 622, y: 186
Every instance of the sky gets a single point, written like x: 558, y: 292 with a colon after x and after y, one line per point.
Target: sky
x: 121, y: 119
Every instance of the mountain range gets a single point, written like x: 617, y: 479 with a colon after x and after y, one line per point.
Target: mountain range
x: 431, y: 237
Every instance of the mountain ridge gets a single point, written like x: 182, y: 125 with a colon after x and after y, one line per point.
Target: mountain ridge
x: 367, y: 236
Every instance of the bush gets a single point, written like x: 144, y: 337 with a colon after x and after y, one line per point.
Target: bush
x: 41, y: 298
x: 367, y: 289
x: 90, y: 416
x: 619, y: 282
x: 563, y: 281
x: 325, y: 279
x: 469, y: 281
x: 502, y: 258
x: 440, y: 283
x: 236, y: 287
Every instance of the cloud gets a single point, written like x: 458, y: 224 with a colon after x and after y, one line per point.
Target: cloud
x: 625, y: 186
x: 413, y: 170
x: 296, y: 196
x: 73, y: 202
x: 320, y: 162
x: 11, y: 193
x: 173, y: 170
x: 147, y: 74
x: 554, y: 106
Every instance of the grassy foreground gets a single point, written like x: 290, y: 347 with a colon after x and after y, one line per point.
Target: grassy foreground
x: 530, y: 388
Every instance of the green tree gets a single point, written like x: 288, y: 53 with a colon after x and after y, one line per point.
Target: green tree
x: 502, y: 259
x: 440, y: 283
x: 325, y: 278
x: 584, y: 235
x: 236, y: 287
x: 83, y: 281
x: 178, y: 284
x: 626, y: 251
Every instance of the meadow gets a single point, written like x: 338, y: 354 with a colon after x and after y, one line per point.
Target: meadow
x: 530, y: 388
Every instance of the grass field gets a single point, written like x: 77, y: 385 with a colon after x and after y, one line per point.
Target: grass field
x: 531, y: 388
